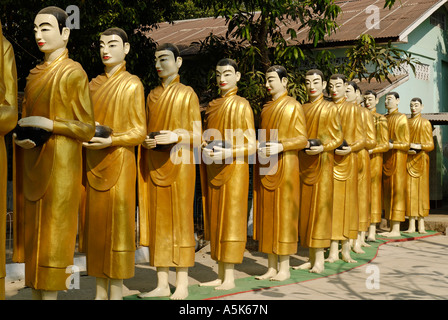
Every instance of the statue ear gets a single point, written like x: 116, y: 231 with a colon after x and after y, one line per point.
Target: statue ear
x: 285, y: 81
x: 238, y: 76
x: 65, y: 33
x: 324, y: 85
x: 127, y: 48
x: 179, y: 62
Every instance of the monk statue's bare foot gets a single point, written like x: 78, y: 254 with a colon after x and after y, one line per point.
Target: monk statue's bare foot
x: 226, y: 285
x: 268, y: 275
x: 305, y: 266
x: 213, y: 283
x: 365, y: 244
x: 357, y: 248
x: 180, y: 293
x: 332, y: 258
x: 282, y: 276
x: 157, y: 292
x: 348, y: 259
x: 317, y: 268
x: 391, y: 234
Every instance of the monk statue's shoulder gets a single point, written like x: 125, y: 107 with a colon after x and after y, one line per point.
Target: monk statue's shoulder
x: 74, y: 70
x: 133, y: 80
x: 188, y: 89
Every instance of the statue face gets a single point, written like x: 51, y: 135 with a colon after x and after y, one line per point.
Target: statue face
x: 416, y: 107
x: 351, y: 94
x: 314, y: 85
x: 166, y: 65
x: 391, y: 102
x: 112, y: 49
x: 337, y: 88
x: 47, y: 34
x: 370, y: 101
x: 274, y: 84
x: 227, y: 78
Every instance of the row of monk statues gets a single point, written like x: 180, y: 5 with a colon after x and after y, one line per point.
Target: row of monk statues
x: 325, y: 170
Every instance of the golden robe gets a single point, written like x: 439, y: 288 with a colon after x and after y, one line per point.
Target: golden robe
x: 277, y: 194
x: 51, y: 174
x: 394, y: 167
x: 118, y: 102
x: 345, y: 222
x: 225, y: 194
x: 316, y: 174
x: 166, y: 185
x: 364, y: 171
x: 376, y: 166
x: 8, y: 120
x: 418, y: 168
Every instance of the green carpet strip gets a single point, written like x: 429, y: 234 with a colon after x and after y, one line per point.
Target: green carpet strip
x: 248, y: 284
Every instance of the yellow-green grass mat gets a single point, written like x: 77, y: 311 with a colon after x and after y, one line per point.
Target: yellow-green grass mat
x: 251, y: 284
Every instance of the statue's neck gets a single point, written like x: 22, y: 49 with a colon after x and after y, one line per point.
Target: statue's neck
x: 51, y: 56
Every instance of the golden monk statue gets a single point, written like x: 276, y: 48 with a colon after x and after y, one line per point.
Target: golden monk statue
x: 394, y: 165
x: 225, y: 180
x: 57, y: 100
x: 316, y: 171
x: 119, y: 103
x: 345, y: 223
x: 421, y: 143
x: 8, y: 120
x: 167, y: 175
x: 376, y: 162
x: 276, y: 192
x: 364, y: 180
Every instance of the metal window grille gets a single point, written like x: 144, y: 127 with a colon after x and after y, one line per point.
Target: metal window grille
x: 422, y: 72
x: 438, y: 19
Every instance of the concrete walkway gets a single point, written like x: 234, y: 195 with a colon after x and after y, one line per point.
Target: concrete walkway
x: 415, y: 269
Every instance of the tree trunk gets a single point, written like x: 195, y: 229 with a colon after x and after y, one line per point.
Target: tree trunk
x: 262, y: 45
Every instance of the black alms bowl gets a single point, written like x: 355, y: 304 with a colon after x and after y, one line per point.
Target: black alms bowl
x: 314, y: 143
x: 344, y: 144
x: 103, y: 131
x: 160, y: 147
x: 38, y: 135
x: 217, y: 143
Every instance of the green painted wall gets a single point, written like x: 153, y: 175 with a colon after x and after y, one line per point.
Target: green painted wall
x: 429, y: 44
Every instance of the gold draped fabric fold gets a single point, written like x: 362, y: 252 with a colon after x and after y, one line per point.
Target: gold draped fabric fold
x: 119, y: 102
x: 376, y: 166
x: 8, y: 120
x: 394, y: 167
x: 277, y: 193
x: 418, y: 168
x: 225, y: 195
x: 167, y: 179
x: 316, y: 174
x: 364, y: 171
x: 345, y: 222
x: 51, y: 174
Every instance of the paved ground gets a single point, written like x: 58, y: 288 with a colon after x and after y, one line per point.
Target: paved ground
x: 414, y: 269
x: 402, y: 270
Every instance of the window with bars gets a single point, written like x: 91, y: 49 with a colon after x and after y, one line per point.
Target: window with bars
x: 438, y: 19
x: 422, y: 71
